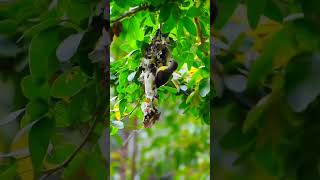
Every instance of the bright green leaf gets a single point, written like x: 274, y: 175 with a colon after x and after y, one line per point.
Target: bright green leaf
x: 189, y: 25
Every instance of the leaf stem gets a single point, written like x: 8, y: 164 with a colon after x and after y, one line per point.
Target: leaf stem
x: 50, y: 171
x: 130, y: 13
x: 202, y: 39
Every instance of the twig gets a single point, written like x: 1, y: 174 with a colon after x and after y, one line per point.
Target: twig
x: 202, y: 39
x: 135, y: 151
x: 50, y: 171
x: 128, y: 115
x: 130, y: 136
x: 130, y: 13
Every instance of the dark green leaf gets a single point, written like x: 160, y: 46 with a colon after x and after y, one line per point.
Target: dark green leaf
x: 255, y: 114
x: 254, y: 10
x: 39, y: 138
x: 269, y: 159
x: 235, y: 139
x: 228, y: 7
x: 37, y: 108
x: 8, y: 26
x: 168, y: 25
x: 69, y: 83
x: 9, y: 173
x: 273, y: 11
x: 165, y: 12
x: 35, y: 90
x: 263, y: 66
x: 41, y: 52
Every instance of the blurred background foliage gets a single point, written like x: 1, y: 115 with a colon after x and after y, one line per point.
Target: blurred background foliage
x: 53, y: 89
x: 177, y: 146
x: 266, y: 77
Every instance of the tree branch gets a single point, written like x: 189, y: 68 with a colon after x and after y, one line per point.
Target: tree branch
x: 50, y: 171
x: 202, y: 39
x: 130, y: 13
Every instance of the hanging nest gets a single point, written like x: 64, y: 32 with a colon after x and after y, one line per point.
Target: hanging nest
x: 156, y: 55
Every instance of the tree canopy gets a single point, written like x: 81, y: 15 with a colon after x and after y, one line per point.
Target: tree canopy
x: 177, y: 146
x: 267, y: 84
x: 53, y: 56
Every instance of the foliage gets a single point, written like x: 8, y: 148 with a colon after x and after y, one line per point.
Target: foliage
x: 266, y: 77
x: 169, y: 148
x: 54, y: 51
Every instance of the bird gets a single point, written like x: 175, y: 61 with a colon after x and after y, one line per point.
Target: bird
x: 163, y: 75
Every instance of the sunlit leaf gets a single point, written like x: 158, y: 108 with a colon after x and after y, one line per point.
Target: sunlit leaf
x: 189, y: 25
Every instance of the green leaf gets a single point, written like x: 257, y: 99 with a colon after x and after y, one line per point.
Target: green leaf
x: 263, y: 66
x: 113, y: 130
x: 190, y: 97
x: 133, y: 31
x: 273, y: 11
x: 8, y: 26
x: 255, y: 114
x: 165, y: 12
x: 189, y: 25
x: 39, y: 138
x: 75, y: 166
x: 61, y: 114
x: 76, y: 10
x: 170, y: 89
x: 132, y: 88
x: 254, y: 10
x: 235, y: 139
x: 9, y: 173
x: 267, y: 158
x: 37, y: 108
x: 35, y: 90
x: 122, y: 106
x: 61, y: 153
x: 168, y: 25
x: 95, y: 166
x: 228, y: 6
x: 43, y: 25
x: 302, y: 79
x: 76, y: 110
x: 180, y: 31
x: 311, y: 9
x: 123, y: 78
x: 194, y: 12
x: 41, y: 52
x: 204, y: 87
x: 69, y: 83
